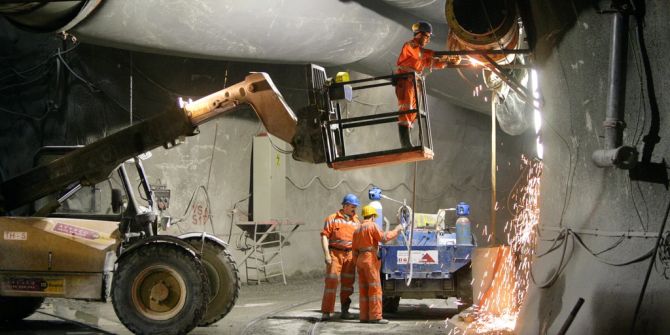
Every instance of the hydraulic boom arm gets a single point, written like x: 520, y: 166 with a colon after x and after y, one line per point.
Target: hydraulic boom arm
x: 94, y: 162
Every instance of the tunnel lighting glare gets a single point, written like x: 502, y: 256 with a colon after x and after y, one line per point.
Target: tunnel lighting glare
x: 182, y: 103
x: 540, y: 148
x: 533, y: 80
x: 537, y: 120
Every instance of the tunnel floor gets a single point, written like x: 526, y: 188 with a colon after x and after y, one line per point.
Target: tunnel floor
x: 264, y: 309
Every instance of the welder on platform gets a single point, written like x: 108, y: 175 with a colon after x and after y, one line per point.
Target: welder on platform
x: 366, y: 245
x: 336, y: 236
x: 415, y: 58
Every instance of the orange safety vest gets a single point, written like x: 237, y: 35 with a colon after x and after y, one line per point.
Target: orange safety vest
x: 414, y: 58
x: 339, y: 229
x: 368, y: 236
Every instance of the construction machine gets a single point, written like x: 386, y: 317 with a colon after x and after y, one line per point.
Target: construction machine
x: 90, y: 236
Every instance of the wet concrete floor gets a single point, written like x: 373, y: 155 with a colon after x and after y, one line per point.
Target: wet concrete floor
x: 264, y: 309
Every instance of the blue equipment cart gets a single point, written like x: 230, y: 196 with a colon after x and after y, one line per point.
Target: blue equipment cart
x: 440, y: 265
x: 438, y: 270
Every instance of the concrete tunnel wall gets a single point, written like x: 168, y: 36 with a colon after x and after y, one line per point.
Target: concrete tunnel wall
x: 598, y: 204
x: 460, y: 171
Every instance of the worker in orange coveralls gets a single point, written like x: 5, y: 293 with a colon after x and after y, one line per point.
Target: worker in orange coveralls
x: 336, y: 235
x: 415, y: 58
x: 365, y: 245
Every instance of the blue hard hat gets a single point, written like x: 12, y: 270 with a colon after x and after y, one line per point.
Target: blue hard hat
x: 422, y: 27
x: 351, y: 200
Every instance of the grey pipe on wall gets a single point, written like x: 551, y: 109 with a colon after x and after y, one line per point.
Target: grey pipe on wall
x: 615, y: 154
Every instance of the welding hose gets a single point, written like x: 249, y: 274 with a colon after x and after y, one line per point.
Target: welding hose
x: 406, y: 216
x: 411, y: 229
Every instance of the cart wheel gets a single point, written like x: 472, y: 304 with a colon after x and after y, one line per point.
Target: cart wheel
x: 224, y: 280
x: 160, y: 289
x: 13, y: 309
x: 390, y: 304
x: 464, y: 287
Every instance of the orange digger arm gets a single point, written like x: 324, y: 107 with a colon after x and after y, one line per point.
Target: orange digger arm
x: 258, y: 91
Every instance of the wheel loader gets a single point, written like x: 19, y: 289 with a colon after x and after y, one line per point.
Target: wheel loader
x: 90, y: 235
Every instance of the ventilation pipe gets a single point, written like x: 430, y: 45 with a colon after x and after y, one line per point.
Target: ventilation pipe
x: 482, y: 25
x: 48, y: 16
x: 615, y: 154
x: 365, y: 36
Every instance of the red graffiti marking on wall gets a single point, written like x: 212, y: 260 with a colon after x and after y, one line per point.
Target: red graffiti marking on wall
x: 200, y: 214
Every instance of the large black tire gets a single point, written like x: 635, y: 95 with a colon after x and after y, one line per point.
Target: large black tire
x: 390, y: 304
x: 160, y: 289
x: 464, y: 287
x: 13, y: 309
x: 224, y: 279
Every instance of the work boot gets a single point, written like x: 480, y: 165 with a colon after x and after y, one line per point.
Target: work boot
x: 380, y: 321
x: 345, y: 315
x: 325, y: 316
x: 405, y: 138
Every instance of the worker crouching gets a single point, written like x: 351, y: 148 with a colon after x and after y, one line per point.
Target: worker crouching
x: 366, y: 245
x: 336, y: 242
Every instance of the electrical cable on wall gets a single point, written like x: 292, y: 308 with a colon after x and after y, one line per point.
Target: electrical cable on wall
x: 359, y: 190
x: 576, y: 238
x: 188, y: 208
x: 232, y: 216
x: 654, y: 252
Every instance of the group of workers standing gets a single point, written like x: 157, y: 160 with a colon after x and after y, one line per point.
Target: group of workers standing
x: 351, y: 246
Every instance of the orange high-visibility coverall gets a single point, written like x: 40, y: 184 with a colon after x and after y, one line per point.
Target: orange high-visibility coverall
x: 365, y: 245
x: 339, y: 230
x: 412, y: 58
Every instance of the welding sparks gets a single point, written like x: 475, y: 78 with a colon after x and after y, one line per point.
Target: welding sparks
x: 475, y: 62
x: 501, y: 303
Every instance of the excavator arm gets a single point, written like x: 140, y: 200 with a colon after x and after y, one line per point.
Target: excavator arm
x: 258, y: 91
x: 316, y: 136
x: 94, y: 162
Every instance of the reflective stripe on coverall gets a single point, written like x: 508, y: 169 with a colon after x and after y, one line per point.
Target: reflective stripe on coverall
x: 339, y: 230
x: 365, y: 243
x: 412, y: 58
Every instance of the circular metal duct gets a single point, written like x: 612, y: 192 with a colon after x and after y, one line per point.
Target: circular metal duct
x: 482, y: 25
x: 48, y: 16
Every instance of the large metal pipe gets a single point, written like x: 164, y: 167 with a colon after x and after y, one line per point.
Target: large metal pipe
x: 430, y: 10
x: 614, y: 154
x: 482, y: 25
x: 363, y: 35
x: 48, y: 16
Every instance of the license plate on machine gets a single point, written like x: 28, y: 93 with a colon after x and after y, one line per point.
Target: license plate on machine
x: 418, y: 257
x: 34, y: 284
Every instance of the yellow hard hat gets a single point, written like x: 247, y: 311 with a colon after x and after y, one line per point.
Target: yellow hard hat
x: 369, y: 211
x: 342, y: 77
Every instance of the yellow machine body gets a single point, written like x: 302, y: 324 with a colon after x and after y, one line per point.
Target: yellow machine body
x: 56, y: 257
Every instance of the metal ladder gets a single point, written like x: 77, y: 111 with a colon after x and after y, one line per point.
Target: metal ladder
x: 265, y: 257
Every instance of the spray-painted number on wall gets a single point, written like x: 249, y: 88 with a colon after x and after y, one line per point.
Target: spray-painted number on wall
x: 200, y: 214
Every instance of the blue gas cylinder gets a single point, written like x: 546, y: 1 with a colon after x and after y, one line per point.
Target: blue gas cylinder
x: 463, y: 225
x: 380, y: 214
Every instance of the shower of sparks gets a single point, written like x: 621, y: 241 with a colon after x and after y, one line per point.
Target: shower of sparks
x: 499, y: 310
